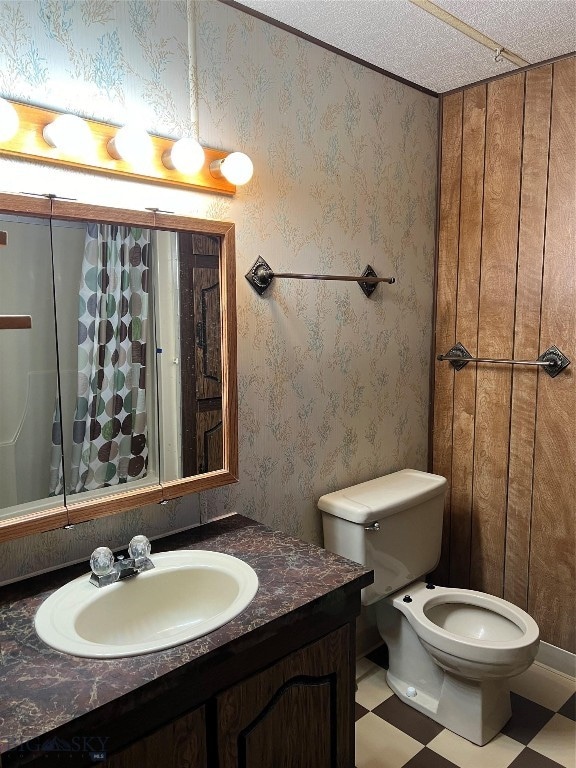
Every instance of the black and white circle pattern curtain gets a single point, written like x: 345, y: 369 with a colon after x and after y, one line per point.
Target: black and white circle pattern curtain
x: 109, y: 436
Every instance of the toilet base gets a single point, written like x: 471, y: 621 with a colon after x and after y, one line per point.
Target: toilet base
x: 476, y: 710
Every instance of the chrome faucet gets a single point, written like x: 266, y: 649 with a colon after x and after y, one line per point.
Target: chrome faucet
x: 105, y: 570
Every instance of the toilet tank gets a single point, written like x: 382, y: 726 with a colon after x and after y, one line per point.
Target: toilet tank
x: 392, y: 524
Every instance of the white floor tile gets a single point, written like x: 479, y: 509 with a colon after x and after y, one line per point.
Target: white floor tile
x: 380, y: 745
x: 372, y: 688
x: 365, y: 667
x: 544, y: 686
x: 557, y: 740
x: 498, y: 753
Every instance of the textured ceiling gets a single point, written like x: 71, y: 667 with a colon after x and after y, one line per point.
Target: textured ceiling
x: 403, y: 39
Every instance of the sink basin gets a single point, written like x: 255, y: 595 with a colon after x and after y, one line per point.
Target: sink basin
x: 186, y: 595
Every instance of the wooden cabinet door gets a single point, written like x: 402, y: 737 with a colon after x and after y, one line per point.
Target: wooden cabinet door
x: 299, y: 712
x: 182, y: 744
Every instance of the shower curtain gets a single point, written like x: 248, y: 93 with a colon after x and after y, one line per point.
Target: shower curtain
x: 109, y: 435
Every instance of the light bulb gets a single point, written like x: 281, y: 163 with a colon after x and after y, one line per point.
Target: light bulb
x: 236, y: 168
x: 9, y: 120
x: 132, y: 144
x: 186, y: 156
x: 68, y: 133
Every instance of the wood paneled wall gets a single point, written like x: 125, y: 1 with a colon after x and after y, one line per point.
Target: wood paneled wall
x: 505, y: 436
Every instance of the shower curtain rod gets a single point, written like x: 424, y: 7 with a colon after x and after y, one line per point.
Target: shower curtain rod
x: 552, y: 359
x: 260, y: 276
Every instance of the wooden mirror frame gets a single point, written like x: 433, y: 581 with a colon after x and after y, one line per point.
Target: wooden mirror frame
x: 79, y: 511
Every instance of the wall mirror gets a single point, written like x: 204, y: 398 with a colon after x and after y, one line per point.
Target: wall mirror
x: 118, y: 349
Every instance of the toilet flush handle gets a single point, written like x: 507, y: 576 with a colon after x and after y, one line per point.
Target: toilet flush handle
x: 375, y: 527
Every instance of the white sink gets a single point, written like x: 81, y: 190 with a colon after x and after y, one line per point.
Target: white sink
x: 186, y: 595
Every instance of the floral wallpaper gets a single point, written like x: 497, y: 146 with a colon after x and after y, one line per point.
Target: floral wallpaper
x: 333, y: 386
x: 99, y: 58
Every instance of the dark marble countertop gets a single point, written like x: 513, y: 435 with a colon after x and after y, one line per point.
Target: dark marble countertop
x: 42, y: 689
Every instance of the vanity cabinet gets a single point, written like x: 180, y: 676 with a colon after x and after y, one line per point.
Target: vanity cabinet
x: 299, y: 712
x: 296, y: 712
x: 272, y: 688
x: 181, y: 744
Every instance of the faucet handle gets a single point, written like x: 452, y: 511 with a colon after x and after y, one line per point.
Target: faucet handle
x: 139, y: 547
x: 102, y: 561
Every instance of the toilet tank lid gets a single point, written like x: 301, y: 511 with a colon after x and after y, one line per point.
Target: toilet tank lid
x: 371, y: 501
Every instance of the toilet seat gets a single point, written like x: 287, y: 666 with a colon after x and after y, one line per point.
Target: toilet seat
x: 509, y: 635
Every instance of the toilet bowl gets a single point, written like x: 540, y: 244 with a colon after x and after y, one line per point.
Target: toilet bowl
x: 470, y: 633
x: 451, y: 651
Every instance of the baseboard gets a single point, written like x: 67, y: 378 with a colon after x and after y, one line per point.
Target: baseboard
x: 557, y: 659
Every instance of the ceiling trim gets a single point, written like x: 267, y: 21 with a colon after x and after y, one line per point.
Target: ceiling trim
x: 508, y: 74
x: 326, y: 46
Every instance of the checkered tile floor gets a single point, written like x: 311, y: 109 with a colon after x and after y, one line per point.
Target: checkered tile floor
x: 540, y: 734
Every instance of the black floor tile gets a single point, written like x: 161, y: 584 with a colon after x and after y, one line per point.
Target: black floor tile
x: 528, y: 718
x: 530, y: 759
x: 426, y: 758
x: 408, y: 720
x: 379, y: 656
x: 359, y: 711
x: 569, y: 708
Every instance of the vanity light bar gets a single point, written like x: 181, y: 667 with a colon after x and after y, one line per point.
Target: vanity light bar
x: 29, y: 143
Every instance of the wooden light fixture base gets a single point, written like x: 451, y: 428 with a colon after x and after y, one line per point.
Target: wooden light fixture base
x: 29, y: 144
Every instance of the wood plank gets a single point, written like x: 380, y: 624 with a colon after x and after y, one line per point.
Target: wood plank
x: 472, y: 193
x: 12, y: 322
x: 527, y: 331
x: 173, y: 489
x: 81, y: 509
x: 229, y: 350
x: 552, y: 550
x: 73, y: 211
x: 445, y: 335
x: 495, y: 330
x: 25, y: 204
x: 33, y: 522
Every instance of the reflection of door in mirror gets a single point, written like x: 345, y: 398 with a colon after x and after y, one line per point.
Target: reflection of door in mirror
x: 28, y: 368
x: 201, y: 370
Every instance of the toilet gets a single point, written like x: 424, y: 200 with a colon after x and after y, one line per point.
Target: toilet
x: 451, y: 651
